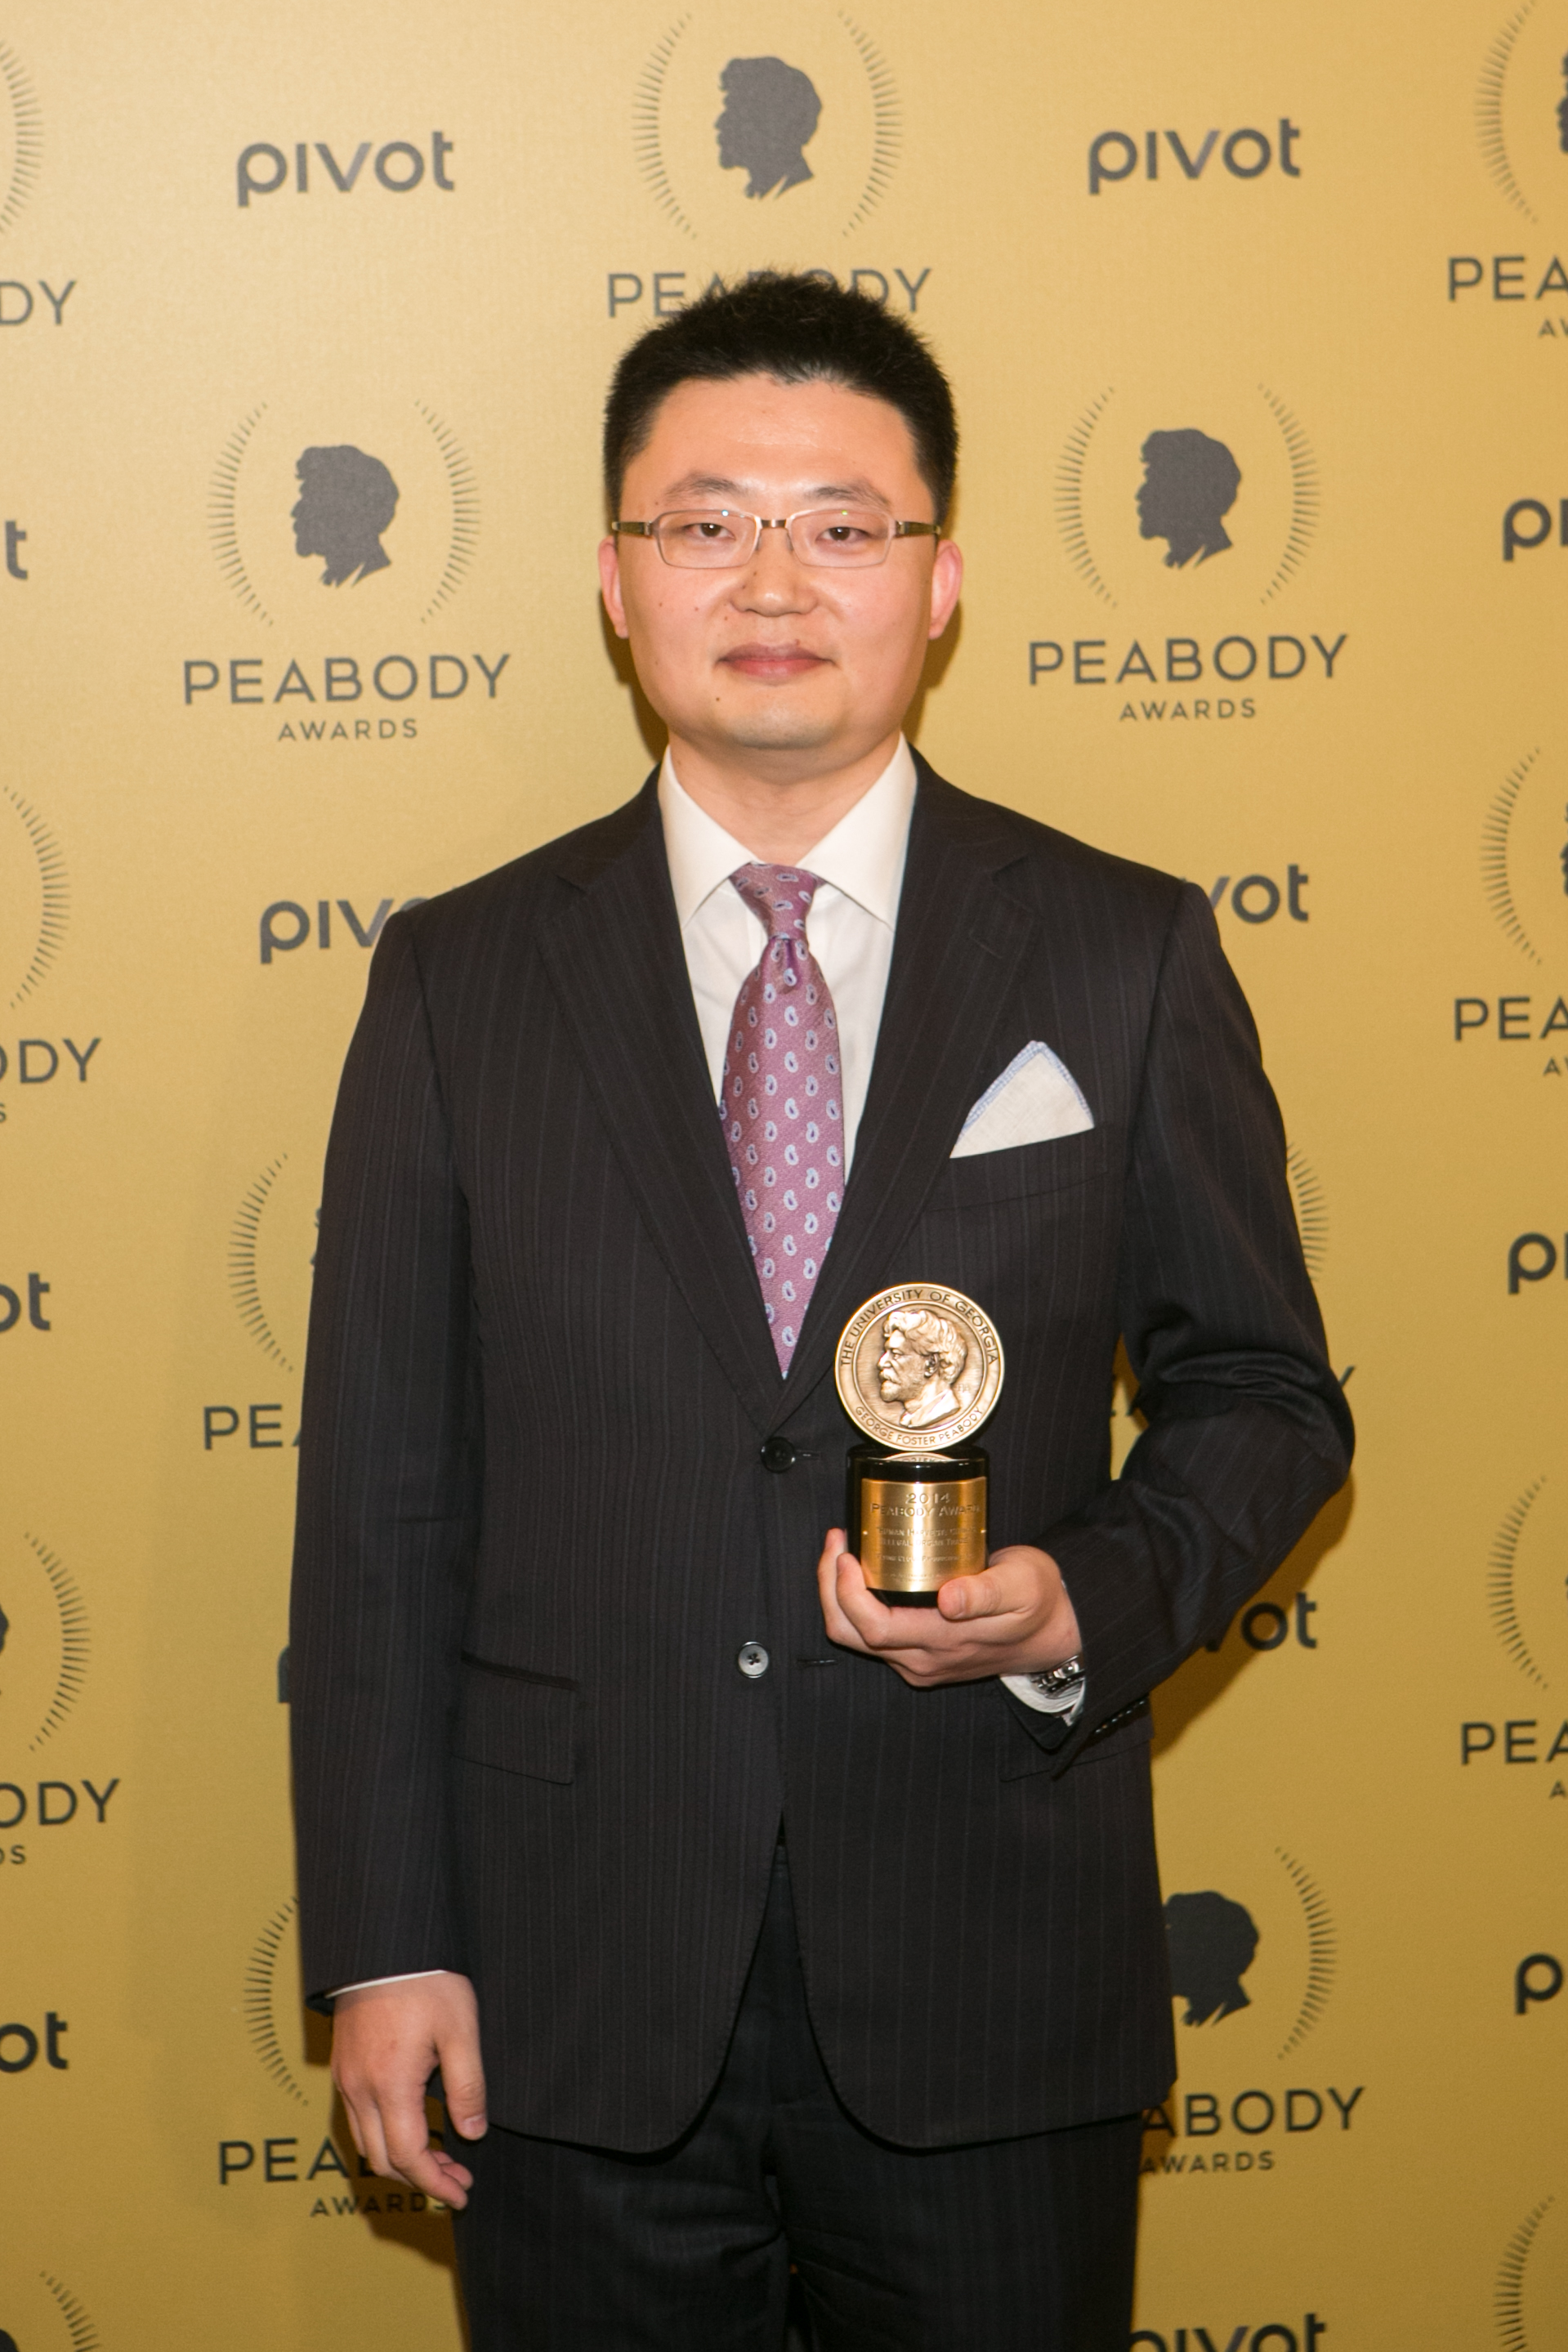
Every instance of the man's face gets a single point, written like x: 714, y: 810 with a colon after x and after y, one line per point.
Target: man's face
x: 903, y: 1370
x: 795, y: 668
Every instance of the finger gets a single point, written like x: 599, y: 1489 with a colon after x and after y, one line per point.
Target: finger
x: 875, y: 1627
x: 386, y: 2107
x: 838, y: 1575
x: 432, y: 2169
x: 406, y: 2126
x: 833, y: 1545
x: 1014, y: 1582
x: 971, y: 1596
x: 462, y: 2082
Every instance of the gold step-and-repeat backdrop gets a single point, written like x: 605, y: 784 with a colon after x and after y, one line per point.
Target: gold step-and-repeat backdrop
x: 1258, y: 318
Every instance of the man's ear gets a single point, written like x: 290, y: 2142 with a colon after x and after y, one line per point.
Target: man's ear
x: 947, y: 580
x: 609, y: 586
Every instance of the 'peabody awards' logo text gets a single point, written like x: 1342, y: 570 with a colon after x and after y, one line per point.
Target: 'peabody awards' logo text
x: 271, y: 1252
x: 1525, y: 877
x: 324, y: 524
x: 1193, y: 529
x: 772, y: 133
x: 1253, y: 1964
x: 1525, y: 1593
x: 1521, y: 123
x: 45, y: 1649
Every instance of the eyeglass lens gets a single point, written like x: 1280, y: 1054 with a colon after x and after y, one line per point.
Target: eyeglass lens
x: 715, y: 539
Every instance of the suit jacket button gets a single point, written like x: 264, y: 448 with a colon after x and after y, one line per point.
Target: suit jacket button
x: 778, y: 1453
x: 752, y: 1660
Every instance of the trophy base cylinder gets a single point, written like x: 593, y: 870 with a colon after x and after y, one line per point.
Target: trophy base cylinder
x: 917, y: 1519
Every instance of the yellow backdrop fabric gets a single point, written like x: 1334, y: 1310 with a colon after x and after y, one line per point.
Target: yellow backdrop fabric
x: 1326, y: 245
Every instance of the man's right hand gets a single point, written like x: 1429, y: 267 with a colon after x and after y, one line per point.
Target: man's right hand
x: 386, y: 2041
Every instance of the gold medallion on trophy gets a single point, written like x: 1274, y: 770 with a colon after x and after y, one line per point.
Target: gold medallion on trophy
x: 919, y: 1368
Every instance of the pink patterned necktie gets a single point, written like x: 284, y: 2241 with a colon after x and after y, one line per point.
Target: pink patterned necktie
x: 782, y: 1102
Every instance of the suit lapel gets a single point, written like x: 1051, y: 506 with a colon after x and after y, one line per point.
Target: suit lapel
x: 615, y: 957
x: 959, y: 943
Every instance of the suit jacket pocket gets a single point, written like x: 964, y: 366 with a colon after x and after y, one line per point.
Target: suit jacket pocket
x: 1023, y: 1169
x: 517, y: 1721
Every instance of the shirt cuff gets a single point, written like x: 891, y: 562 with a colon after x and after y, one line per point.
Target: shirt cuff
x: 1065, y: 1702
x: 411, y: 1976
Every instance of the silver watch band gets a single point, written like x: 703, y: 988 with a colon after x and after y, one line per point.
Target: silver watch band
x: 1052, y: 1680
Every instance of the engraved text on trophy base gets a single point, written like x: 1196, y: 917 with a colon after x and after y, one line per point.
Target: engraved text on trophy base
x: 915, y: 1537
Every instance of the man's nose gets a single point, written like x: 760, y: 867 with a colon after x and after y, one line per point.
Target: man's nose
x: 775, y: 575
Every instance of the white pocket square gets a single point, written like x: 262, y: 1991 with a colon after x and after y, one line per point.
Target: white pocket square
x: 1036, y: 1099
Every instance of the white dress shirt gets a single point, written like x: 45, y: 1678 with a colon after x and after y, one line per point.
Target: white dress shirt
x: 850, y: 929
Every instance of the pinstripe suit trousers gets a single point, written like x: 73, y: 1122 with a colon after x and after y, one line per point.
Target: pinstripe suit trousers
x: 1017, y: 2245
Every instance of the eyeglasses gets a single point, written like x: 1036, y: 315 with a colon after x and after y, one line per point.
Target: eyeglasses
x: 721, y: 538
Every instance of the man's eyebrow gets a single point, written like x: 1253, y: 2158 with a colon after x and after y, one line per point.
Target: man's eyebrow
x: 721, y: 485
x: 710, y: 485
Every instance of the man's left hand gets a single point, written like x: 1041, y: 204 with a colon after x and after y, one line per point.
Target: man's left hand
x: 1014, y: 1618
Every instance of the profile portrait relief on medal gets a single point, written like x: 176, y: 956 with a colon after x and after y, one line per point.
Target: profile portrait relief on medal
x: 923, y: 1366
x: 919, y: 1358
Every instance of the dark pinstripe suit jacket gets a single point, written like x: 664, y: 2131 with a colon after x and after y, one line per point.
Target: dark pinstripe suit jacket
x: 535, y: 1525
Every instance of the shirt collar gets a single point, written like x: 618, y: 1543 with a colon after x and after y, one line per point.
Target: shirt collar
x: 862, y: 856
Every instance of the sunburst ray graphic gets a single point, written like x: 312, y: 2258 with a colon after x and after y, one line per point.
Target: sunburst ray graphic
x: 260, y: 2016
x: 56, y: 893
x: 646, y: 142
x: 221, y: 521
x: 1495, y: 879
x: 465, y: 508
x: 1069, y: 495
x: 243, y: 1235
x: 1488, y: 110
x: 27, y: 130
x: 1311, y: 1214
x: 1502, y: 1599
x: 1303, y: 494
x: 887, y: 126
x: 1507, y: 2296
x: 83, y: 2333
x: 74, y: 1641
x: 1323, y: 1951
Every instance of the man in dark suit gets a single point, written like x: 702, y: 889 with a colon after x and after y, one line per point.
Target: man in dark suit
x: 768, y: 1925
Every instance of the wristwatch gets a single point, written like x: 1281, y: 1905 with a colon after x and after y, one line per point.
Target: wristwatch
x: 1055, y: 1682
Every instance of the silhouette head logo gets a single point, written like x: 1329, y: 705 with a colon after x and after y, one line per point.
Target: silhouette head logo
x: 5, y: 1629
x: 8, y: 2341
x: 1189, y: 485
x: 1563, y: 113
x: 770, y: 112
x: 346, y: 500
x: 1212, y: 1943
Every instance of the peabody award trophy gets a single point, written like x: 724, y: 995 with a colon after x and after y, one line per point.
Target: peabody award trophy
x: 918, y: 1367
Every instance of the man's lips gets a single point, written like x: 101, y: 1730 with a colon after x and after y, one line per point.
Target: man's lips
x: 772, y: 664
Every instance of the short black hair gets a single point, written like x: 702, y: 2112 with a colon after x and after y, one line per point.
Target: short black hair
x: 799, y: 328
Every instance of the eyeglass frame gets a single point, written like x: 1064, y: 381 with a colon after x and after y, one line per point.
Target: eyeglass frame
x: 620, y: 530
